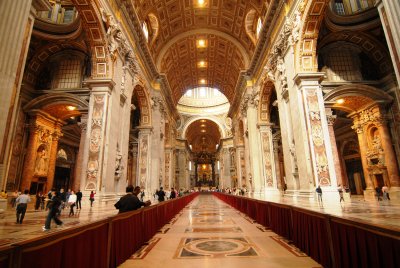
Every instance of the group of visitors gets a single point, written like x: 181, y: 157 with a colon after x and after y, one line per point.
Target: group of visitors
x: 235, y: 191
x: 161, y: 195
x: 380, y: 193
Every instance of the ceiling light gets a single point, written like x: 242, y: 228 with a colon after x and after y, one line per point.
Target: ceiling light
x: 201, y: 64
x: 204, y: 166
x: 203, y: 130
x: 201, y: 43
x: 71, y: 108
x: 201, y: 2
x: 340, y: 101
x: 202, y: 125
x: 203, y: 120
x: 202, y: 81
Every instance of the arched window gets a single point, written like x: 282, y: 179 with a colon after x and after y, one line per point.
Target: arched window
x: 259, y: 27
x: 145, y: 30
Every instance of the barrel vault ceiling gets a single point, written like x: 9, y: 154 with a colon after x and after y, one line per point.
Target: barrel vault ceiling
x: 176, y: 28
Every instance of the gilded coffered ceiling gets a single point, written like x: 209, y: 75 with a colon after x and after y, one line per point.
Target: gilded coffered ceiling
x: 175, y: 28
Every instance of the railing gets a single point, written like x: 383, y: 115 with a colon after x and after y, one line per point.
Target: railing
x: 105, y: 243
x: 329, y: 240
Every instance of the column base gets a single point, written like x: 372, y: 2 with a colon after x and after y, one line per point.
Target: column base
x: 329, y: 195
x: 307, y: 194
x: 369, y: 194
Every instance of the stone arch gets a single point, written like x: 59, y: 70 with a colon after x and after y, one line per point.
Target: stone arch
x: 211, y: 118
x: 265, y: 99
x: 52, y: 99
x: 144, y: 104
x: 358, y: 96
x: 93, y: 25
x: 312, y: 18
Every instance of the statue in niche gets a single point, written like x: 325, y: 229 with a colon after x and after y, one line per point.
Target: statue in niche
x: 41, y: 163
x: 376, y: 142
x: 118, y: 164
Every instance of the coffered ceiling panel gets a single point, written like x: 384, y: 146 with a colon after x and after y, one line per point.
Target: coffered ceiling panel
x: 223, y: 63
x: 225, y: 51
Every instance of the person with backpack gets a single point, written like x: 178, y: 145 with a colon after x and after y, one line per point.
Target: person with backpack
x: 161, y: 195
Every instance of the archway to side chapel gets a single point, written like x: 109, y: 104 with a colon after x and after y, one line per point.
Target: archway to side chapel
x: 366, y: 156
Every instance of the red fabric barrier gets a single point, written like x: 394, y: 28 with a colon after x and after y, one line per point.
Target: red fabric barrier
x: 280, y: 220
x: 356, y: 247
x: 310, y: 235
x: 127, y: 237
x: 87, y: 248
x: 262, y: 213
x: 251, y: 208
x: 149, y: 222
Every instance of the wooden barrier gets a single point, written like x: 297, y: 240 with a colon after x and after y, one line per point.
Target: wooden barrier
x: 104, y: 243
x: 329, y: 240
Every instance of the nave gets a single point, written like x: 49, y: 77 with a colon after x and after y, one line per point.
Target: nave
x: 209, y: 233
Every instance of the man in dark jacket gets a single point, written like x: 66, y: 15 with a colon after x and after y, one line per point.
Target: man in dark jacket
x: 78, y: 199
x: 130, y: 201
x: 54, y: 206
x: 161, y: 195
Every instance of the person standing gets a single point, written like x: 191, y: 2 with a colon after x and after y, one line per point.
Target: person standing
x: 63, y: 197
x: 71, y: 202
x: 91, y: 198
x: 130, y: 201
x: 22, y: 203
x: 38, y: 200
x: 172, y: 195
x: 161, y: 195
x: 319, y: 193
x: 54, y: 206
x: 378, y: 193
x: 78, y: 199
x: 385, y: 191
x: 340, y: 190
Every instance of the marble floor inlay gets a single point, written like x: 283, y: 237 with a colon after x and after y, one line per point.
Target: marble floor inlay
x: 208, y: 233
x: 215, y: 247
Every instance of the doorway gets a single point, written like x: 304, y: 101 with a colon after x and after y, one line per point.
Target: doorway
x: 355, y: 175
x: 62, y: 178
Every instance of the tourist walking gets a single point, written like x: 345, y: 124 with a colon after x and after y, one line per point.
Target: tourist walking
x: 71, y: 202
x: 385, y: 191
x: 22, y: 203
x: 91, y: 198
x: 54, y: 206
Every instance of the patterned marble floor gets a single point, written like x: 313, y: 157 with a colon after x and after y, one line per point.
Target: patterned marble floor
x: 209, y: 233
x: 384, y: 213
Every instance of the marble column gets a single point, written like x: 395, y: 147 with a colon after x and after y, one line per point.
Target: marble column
x: 96, y: 145
x: 390, y: 157
x: 55, y: 136
x: 331, y: 120
x: 389, y: 11
x: 134, y: 166
x: 30, y: 157
x: 79, y: 170
x: 317, y: 133
x: 279, y: 178
x: 16, y: 25
x: 268, y: 159
x: 144, y: 168
x: 362, y: 141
